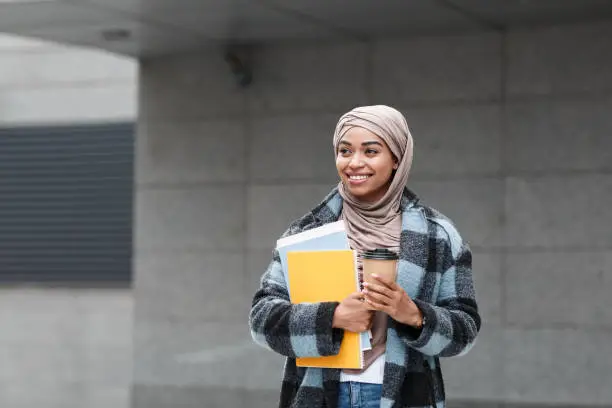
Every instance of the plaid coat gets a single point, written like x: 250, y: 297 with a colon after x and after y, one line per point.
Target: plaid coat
x: 434, y: 270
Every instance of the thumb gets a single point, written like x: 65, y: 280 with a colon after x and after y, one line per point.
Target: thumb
x: 356, y: 296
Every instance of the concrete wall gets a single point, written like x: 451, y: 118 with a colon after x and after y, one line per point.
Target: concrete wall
x: 511, y: 141
x: 64, y: 348
x: 42, y: 83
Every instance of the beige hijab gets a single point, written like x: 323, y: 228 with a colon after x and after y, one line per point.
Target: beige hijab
x: 378, y: 224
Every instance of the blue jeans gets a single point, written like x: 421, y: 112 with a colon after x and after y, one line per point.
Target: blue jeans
x: 359, y: 395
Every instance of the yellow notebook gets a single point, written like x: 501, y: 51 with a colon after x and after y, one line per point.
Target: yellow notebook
x: 326, y: 276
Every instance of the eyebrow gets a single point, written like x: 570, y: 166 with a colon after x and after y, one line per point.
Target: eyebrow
x: 368, y: 143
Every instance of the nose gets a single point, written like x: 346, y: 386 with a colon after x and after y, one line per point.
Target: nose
x: 356, y: 161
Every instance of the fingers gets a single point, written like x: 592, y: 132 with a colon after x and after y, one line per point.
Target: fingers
x: 355, y: 301
x: 355, y: 295
x: 377, y: 297
x: 378, y: 306
x: 385, y: 282
x: 374, y: 288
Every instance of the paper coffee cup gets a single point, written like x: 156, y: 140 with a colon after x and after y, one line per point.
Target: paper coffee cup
x: 380, y: 261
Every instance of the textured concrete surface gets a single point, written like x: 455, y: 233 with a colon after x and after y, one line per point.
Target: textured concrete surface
x: 65, y: 348
x: 511, y: 142
x: 47, y: 83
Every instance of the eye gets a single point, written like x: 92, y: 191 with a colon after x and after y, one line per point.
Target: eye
x: 344, y: 151
x: 371, y: 151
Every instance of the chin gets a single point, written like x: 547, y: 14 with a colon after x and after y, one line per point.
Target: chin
x: 360, y: 194
x: 364, y: 193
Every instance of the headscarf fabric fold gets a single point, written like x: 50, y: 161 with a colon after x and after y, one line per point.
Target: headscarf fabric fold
x: 368, y: 223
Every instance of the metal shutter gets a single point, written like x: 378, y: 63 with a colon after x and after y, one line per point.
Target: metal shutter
x: 66, y: 204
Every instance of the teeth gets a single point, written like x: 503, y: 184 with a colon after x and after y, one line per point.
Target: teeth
x: 358, y: 177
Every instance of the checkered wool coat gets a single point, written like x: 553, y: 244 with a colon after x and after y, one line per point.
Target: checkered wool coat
x: 435, y: 269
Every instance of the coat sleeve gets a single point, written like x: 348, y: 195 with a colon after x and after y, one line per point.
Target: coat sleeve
x: 293, y: 330
x: 453, y: 322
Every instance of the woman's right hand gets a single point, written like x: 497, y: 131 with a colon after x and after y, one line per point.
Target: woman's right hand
x: 352, y: 314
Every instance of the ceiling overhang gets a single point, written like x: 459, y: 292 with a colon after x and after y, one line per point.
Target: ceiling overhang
x: 142, y: 28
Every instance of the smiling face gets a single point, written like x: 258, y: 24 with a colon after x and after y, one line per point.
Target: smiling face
x: 365, y: 164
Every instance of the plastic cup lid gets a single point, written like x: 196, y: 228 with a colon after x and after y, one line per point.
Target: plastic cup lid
x: 380, y: 254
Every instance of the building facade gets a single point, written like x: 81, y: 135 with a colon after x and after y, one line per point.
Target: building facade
x: 511, y: 141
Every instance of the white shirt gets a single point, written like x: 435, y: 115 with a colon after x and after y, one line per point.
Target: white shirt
x: 373, y: 375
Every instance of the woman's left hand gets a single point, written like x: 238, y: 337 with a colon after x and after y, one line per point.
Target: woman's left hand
x: 387, y: 296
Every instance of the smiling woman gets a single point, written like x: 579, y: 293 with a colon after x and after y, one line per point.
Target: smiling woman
x: 429, y: 312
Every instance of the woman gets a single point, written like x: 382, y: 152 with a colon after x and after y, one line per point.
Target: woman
x: 428, y: 313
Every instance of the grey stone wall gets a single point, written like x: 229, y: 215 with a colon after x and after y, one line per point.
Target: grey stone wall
x: 65, y: 348
x: 48, y: 83
x: 511, y: 141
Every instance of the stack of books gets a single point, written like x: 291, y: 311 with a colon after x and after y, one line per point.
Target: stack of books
x: 319, y: 266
